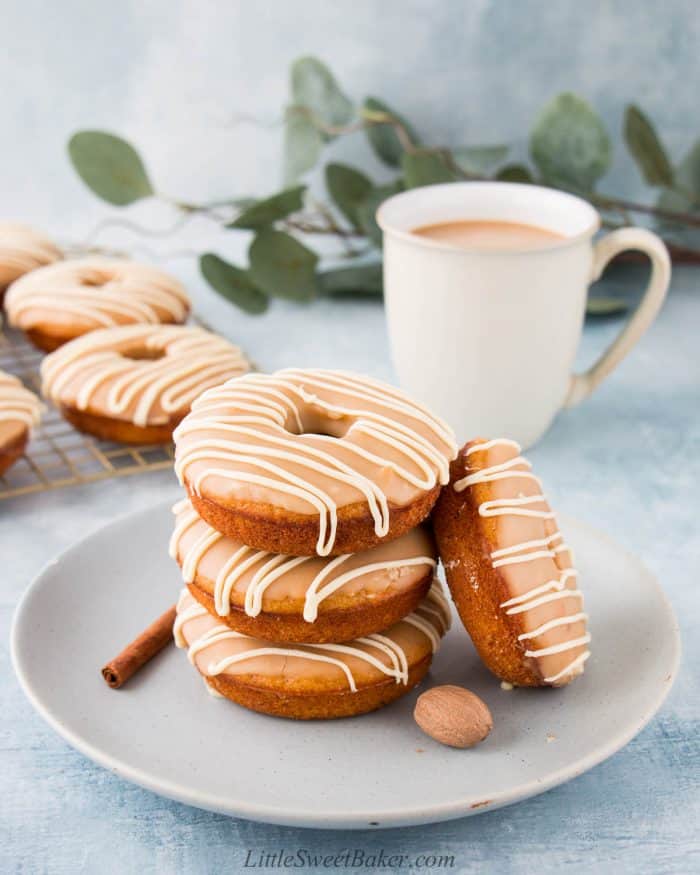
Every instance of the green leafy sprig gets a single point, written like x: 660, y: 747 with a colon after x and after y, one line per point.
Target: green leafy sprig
x: 569, y: 149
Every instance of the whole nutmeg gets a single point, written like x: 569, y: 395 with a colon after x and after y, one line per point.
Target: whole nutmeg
x: 453, y: 716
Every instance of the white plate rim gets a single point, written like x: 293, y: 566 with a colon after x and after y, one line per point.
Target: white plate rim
x: 397, y: 817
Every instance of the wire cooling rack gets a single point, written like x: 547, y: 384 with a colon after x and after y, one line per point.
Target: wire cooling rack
x: 58, y: 455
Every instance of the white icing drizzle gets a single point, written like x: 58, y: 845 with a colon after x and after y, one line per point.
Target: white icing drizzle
x: 213, y: 692
x: 18, y: 404
x: 529, y: 551
x: 553, y: 624
x: 505, y: 556
x: 527, y: 601
x: 100, y: 291
x: 573, y: 666
x: 435, y: 605
x: 314, y: 596
x: 247, y: 421
x: 324, y: 583
x: 332, y: 654
x: 184, y: 615
x: 191, y: 361
x: 560, y: 648
x: 515, y: 507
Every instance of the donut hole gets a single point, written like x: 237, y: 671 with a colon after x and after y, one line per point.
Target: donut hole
x: 96, y: 278
x: 318, y: 421
x: 143, y: 353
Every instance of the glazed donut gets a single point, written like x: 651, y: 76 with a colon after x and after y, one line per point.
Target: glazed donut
x: 509, y: 569
x: 311, y: 461
x: 22, y: 249
x: 54, y: 304
x: 313, y: 681
x: 134, y: 383
x: 20, y: 411
x: 306, y: 598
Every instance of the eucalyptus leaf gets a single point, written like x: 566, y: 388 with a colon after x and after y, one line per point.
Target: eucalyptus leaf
x: 646, y: 147
x: 677, y: 232
x: 363, y: 279
x: 600, y: 306
x: 383, y: 137
x: 233, y: 283
x: 514, y: 173
x: 314, y: 86
x: 685, y: 197
x: 282, y: 266
x: 302, y: 144
x: 109, y: 166
x: 677, y: 201
x: 425, y: 168
x: 479, y: 160
x: 240, y: 203
x: 569, y: 144
x: 348, y: 188
x: 366, y: 211
x: 265, y: 212
x: 688, y: 172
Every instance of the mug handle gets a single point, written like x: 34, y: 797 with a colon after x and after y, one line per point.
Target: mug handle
x: 605, y: 250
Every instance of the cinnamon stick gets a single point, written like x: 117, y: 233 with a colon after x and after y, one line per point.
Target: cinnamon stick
x: 143, y: 648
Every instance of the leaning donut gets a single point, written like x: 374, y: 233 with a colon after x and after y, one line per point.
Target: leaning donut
x: 311, y: 461
x: 509, y: 569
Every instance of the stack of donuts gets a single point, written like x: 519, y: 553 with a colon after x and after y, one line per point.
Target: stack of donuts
x: 309, y: 570
x: 309, y: 561
x: 122, y: 366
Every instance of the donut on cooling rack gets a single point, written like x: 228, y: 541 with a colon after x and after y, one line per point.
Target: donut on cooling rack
x: 509, y: 569
x: 311, y: 461
x: 313, y: 681
x: 134, y: 383
x: 21, y: 250
x: 301, y: 598
x: 54, y: 304
x: 20, y: 411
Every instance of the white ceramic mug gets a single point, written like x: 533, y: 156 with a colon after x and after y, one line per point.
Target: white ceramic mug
x: 488, y: 339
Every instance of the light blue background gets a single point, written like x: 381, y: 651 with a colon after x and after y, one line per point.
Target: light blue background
x: 176, y: 78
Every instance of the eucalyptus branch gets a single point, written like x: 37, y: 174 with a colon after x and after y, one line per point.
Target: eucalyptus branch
x: 309, y: 227
x: 569, y: 148
x: 679, y: 253
x: 76, y: 249
x: 135, y: 228
x: 368, y: 119
x: 680, y: 218
x: 334, y: 228
x: 375, y: 117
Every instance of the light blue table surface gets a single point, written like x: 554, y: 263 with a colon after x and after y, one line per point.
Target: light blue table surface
x: 627, y: 461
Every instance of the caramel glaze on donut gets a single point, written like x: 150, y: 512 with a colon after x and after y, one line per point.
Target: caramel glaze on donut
x: 65, y: 300
x: 311, y: 461
x: 508, y: 568
x: 313, y: 681
x: 134, y: 383
x: 302, y: 599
